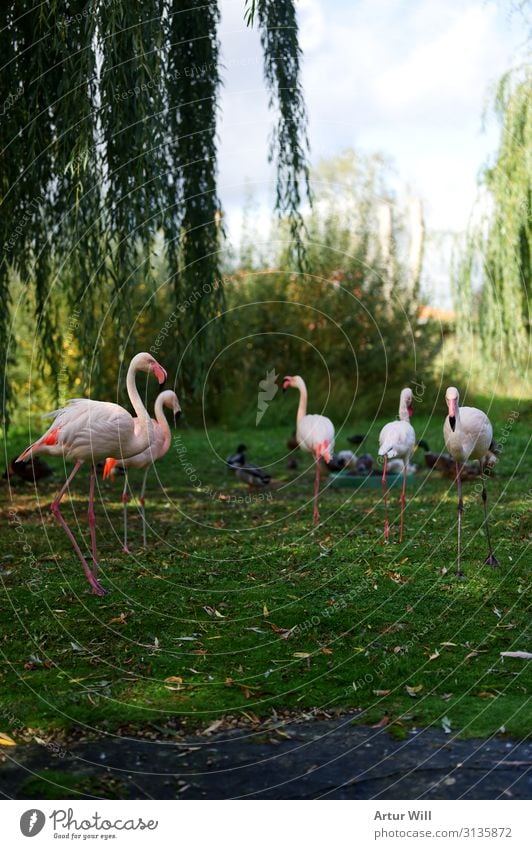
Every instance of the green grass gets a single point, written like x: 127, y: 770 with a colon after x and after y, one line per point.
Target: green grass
x: 233, y: 577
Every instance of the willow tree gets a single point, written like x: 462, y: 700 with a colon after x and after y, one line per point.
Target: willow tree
x: 108, y: 147
x: 494, y: 275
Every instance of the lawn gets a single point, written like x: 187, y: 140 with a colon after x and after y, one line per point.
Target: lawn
x: 240, y: 608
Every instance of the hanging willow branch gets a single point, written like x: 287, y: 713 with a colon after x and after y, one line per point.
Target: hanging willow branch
x: 108, y: 151
x: 498, y: 251
x: 289, y: 144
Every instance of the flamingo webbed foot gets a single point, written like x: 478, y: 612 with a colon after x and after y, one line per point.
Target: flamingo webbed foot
x: 491, y: 560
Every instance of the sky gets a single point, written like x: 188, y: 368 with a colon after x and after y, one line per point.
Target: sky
x: 407, y: 78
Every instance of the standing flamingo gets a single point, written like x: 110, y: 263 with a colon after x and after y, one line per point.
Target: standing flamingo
x: 313, y: 433
x: 468, y: 435
x: 87, y: 430
x: 158, y: 447
x: 398, y: 439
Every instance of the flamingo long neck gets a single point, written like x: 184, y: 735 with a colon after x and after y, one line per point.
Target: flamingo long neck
x: 403, y: 411
x: 303, y: 396
x: 136, y: 401
x: 162, y: 421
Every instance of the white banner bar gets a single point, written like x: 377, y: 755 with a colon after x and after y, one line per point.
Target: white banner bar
x: 268, y: 824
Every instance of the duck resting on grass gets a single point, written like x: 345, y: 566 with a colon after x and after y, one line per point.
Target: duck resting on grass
x: 446, y: 466
x: 31, y: 470
x: 254, y: 476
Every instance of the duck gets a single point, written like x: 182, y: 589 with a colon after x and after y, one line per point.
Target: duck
x: 32, y: 470
x: 246, y: 472
x: 357, y: 439
x: 238, y: 458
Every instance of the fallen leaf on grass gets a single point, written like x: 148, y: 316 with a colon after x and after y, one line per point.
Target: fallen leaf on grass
x: 397, y: 578
x: 484, y: 694
x: 214, y: 726
x: 446, y: 724
x: 325, y: 650
x: 6, y: 740
x: 212, y: 611
x: 173, y: 679
x: 382, y: 722
x: 120, y: 620
x: 435, y: 654
x: 448, y: 644
x: 265, y: 611
x: 284, y: 633
x: 523, y: 655
x: 301, y: 654
x: 475, y: 653
x: 381, y: 692
x: 413, y: 691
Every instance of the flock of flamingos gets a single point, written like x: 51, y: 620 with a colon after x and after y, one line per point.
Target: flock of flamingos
x: 93, y: 431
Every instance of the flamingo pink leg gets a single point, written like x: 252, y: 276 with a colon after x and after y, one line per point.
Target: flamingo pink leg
x: 125, y: 499
x: 385, y: 497
x: 96, y: 586
x: 91, y: 516
x: 142, y: 503
x: 459, y: 573
x: 403, y: 500
x: 316, y: 514
x: 490, y: 560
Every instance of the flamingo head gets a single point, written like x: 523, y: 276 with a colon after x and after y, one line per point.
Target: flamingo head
x: 407, y: 401
x: 451, y: 399
x: 145, y: 362
x: 291, y: 382
x: 171, y: 401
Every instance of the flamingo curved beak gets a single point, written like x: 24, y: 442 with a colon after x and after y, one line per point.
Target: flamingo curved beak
x: 159, y: 372
x: 451, y: 405
x: 286, y: 383
x: 410, y: 410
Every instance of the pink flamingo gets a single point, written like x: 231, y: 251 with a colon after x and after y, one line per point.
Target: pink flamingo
x: 86, y: 430
x: 314, y: 434
x: 398, y: 439
x: 468, y: 435
x: 158, y: 447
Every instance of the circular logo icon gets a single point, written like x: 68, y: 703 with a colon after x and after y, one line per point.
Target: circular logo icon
x: 32, y: 822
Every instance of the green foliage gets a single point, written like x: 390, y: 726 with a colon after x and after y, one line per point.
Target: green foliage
x: 496, y: 262
x: 351, y: 326
x: 108, y: 153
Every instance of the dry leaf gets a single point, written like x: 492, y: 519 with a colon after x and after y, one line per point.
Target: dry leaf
x: 523, y: 655
x: 475, y: 653
x: 173, y: 679
x: 214, y: 726
x: 434, y: 655
x: 448, y: 644
x: 228, y: 682
x: 301, y: 654
x: 485, y: 695
x: 381, y: 692
x: 6, y: 740
x: 265, y: 611
x: 382, y: 722
x: 413, y: 691
x: 326, y: 650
